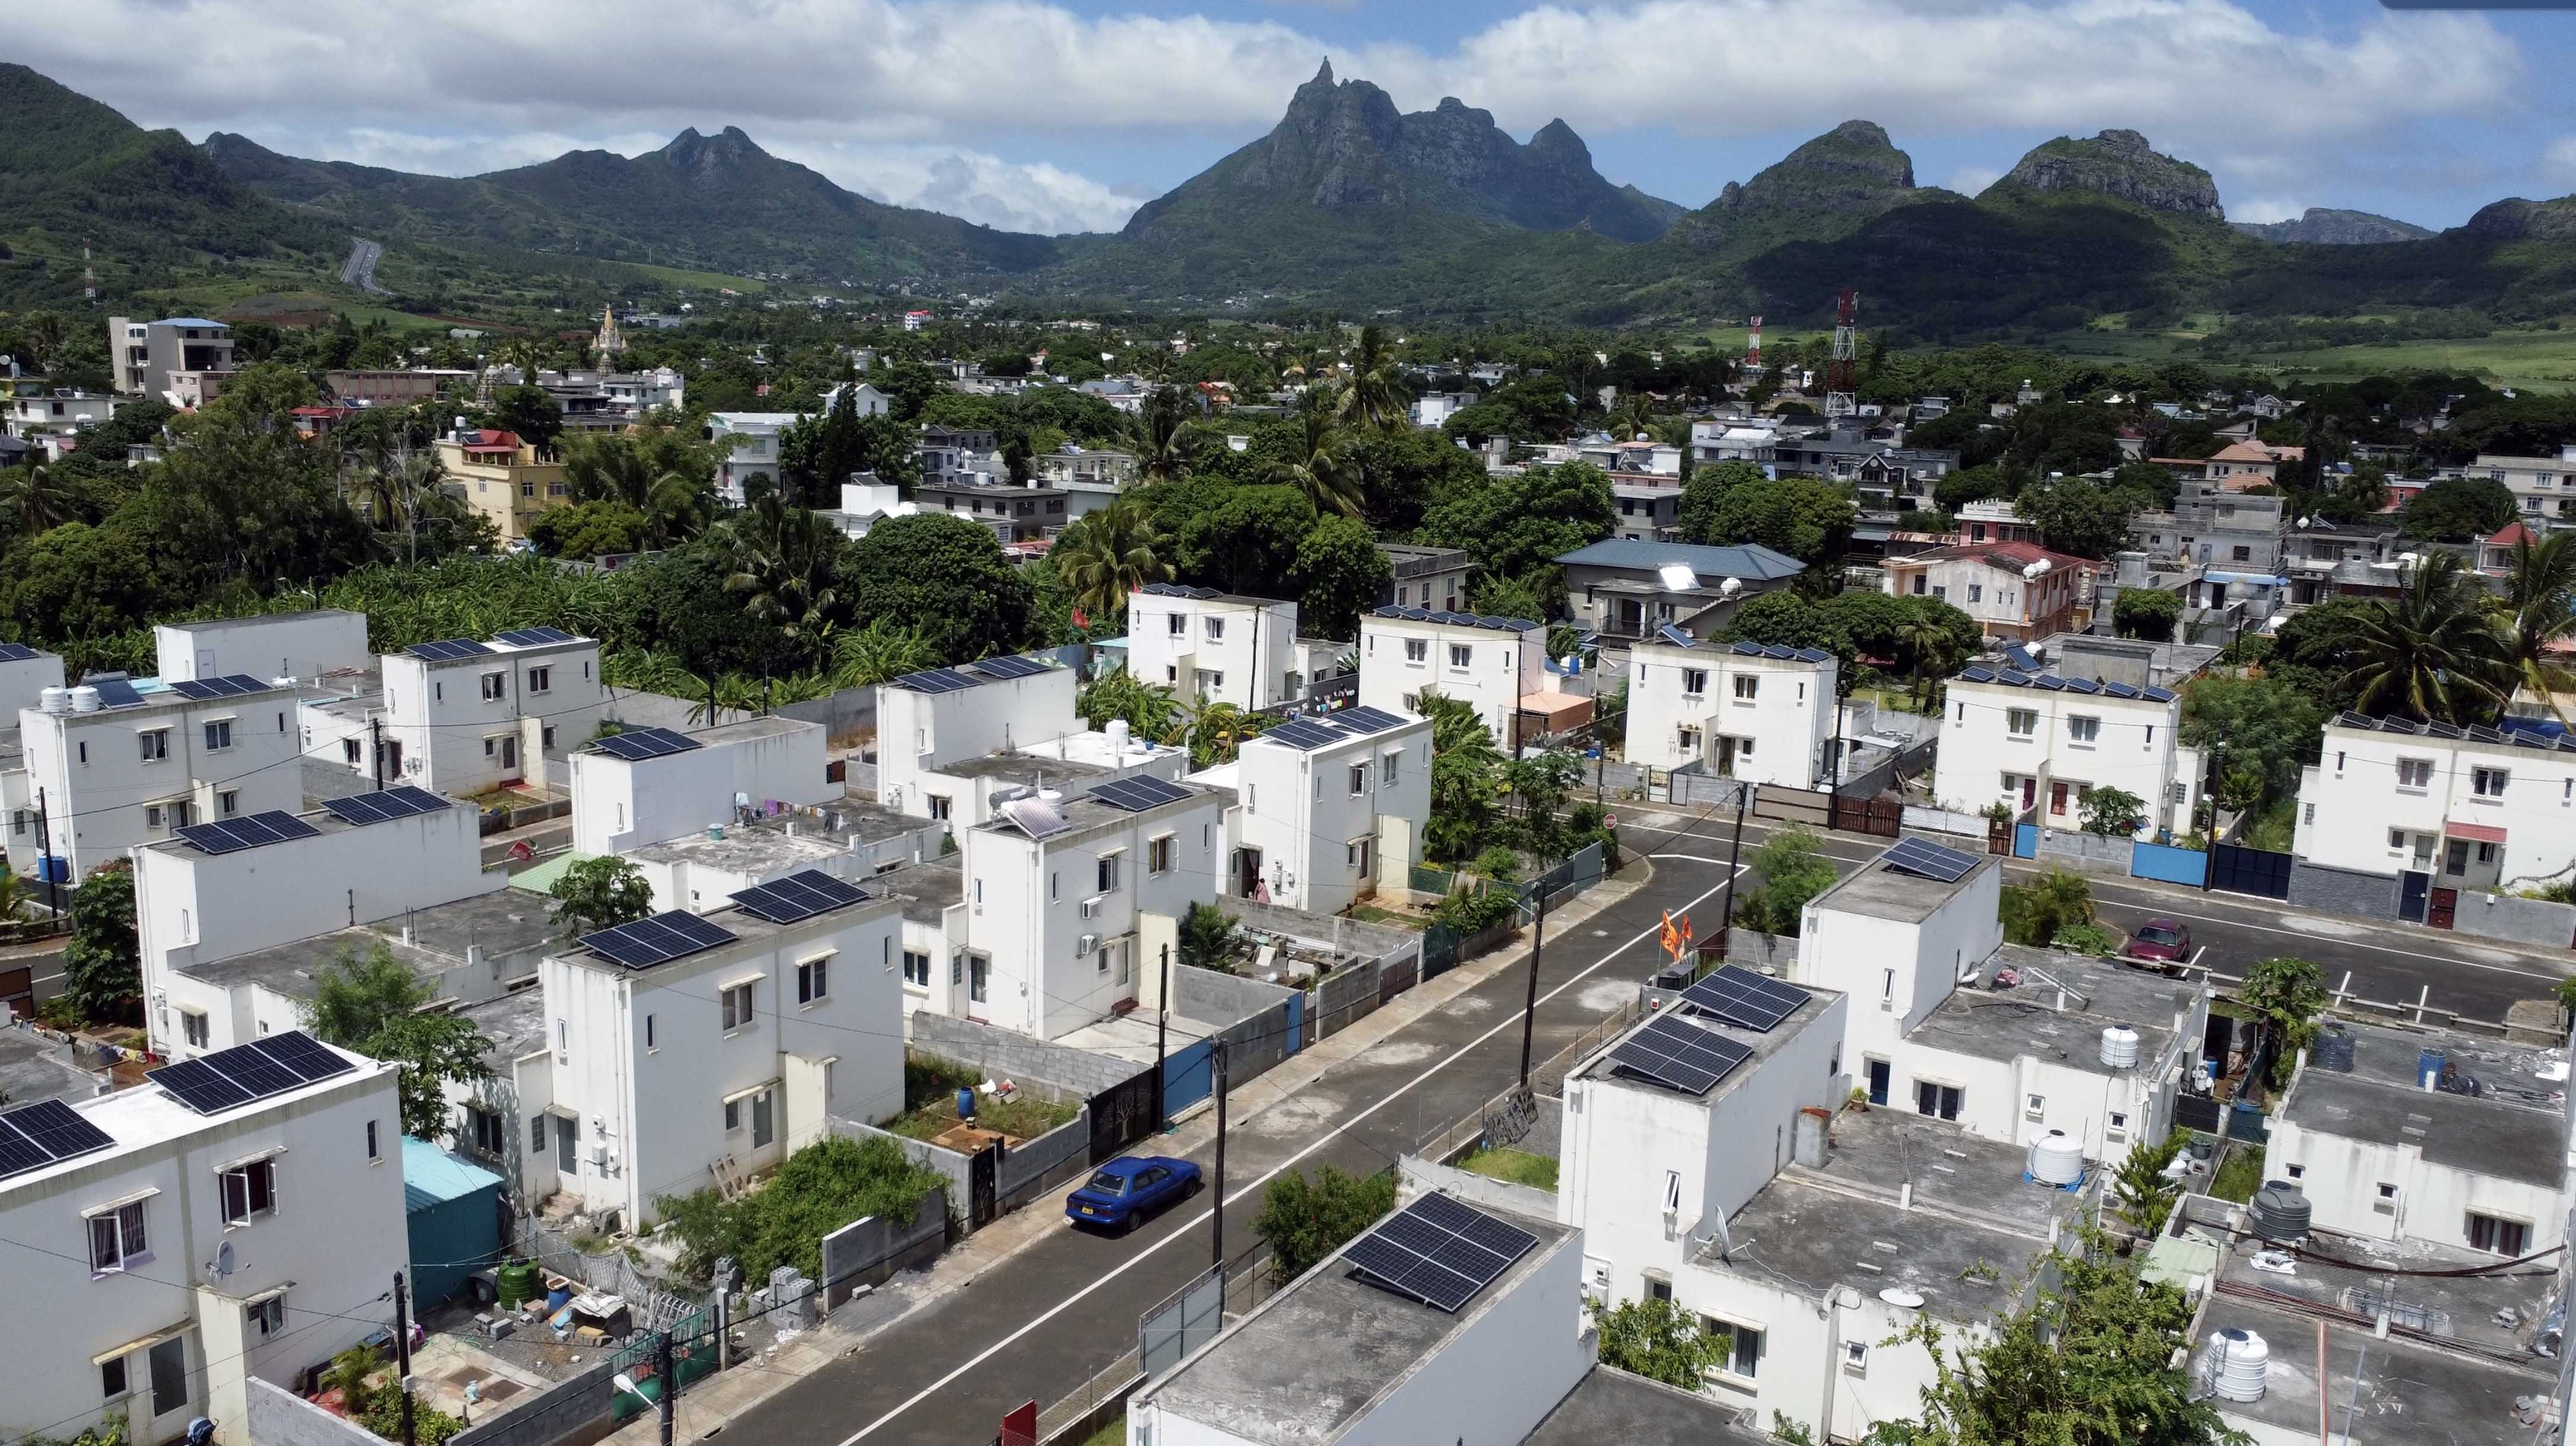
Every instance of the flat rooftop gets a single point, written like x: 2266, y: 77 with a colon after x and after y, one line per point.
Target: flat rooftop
x: 146, y: 1116
x: 513, y: 1025
x: 742, y: 850
x: 1880, y: 892
x: 1966, y: 1242
x: 2353, y: 1276
x: 2515, y: 1127
x: 1316, y: 1355
x: 1996, y: 1020
x: 1024, y: 768
x: 1613, y: 1408
x: 218, y: 625
x: 927, y: 889
x: 1762, y: 1043
x: 747, y: 929
x: 34, y: 1068
x: 2421, y: 1394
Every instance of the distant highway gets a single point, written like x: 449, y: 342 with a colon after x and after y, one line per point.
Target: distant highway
x: 360, y: 269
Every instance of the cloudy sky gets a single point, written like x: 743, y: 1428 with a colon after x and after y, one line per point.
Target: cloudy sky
x: 1062, y: 115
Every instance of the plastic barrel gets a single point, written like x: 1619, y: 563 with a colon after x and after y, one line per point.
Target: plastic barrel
x: 965, y: 1102
x: 518, y: 1281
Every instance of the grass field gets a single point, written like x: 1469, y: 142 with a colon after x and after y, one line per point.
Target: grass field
x: 1517, y: 1167
x: 2238, y: 1173
x: 2535, y: 360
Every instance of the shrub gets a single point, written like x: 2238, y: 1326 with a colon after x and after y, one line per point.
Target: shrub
x: 821, y: 1188
x: 1303, y: 1220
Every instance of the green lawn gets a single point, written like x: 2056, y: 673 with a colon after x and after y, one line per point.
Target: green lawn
x: 1515, y: 1167
x: 2238, y: 1173
x: 2536, y: 359
x: 1113, y: 1434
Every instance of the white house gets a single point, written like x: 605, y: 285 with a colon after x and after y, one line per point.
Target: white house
x: 36, y: 410
x: 867, y: 502
x: 1212, y: 646
x: 129, y: 763
x: 689, y: 1048
x: 1488, y: 663
x: 663, y: 784
x: 302, y: 646
x: 2013, y: 589
x: 1331, y: 810
x: 747, y: 442
x: 2436, y: 805
x: 25, y: 674
x: 163, y: 1254
x: 950, y: 739
x: 463, y: 717
x: 202, y: 901
x: 1740, y: 710
x: 1067, y: 896
x: 2383, y: 1134
x: 2037, y: 740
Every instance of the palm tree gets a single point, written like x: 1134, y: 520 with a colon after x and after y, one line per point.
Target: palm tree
x: 1929, y: 644
x: 1634, y: 417
x: 1319, y: 464
x: 1164, y: 442
x: 2538, y: 603
x: 878, y: 653
x: 1375, y: 396
x: 35, y: 498
x: 614, y: 469
x: 1219, y: 730
x: 781, y: 559
x: 2432, y: 652
x: 1110, y: 554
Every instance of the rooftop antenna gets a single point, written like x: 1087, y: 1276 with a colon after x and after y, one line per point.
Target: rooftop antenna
x: 1842, y: 373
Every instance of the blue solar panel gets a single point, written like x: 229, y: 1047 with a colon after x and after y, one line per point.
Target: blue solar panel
x: 116, y: 693
x: 1930, y: 860
x: 44, y: 1132
x: 15, y: 652
x: 637, y: 744
x: 232, y: 835
x: 533, y: 637
x: 378, y: 807
x: 674, y: 934
x: 247, y: 1072
x: 1741, y: 997
x: 1675, y: 1053
x: 449, y: 649
x: 1305, y: 735
x: 1136, y: 795
x: 1367, y: 720
x: 798, y: 896
x: 936, y: 680
x: 1010, y: 667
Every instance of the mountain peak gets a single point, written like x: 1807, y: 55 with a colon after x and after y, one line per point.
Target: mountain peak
x: 1823, y: 189
x: 2326, y: 226
x: 2121, y: 165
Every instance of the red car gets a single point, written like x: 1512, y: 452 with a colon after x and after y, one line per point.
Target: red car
x: 2160, y: 941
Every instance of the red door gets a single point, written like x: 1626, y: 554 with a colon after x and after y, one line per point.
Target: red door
x: 2057, y: 800
x: 2445, y: 902
x: 2029, y: 792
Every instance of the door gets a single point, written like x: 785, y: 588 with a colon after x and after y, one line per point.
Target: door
x: 1247, y: 872
x: 2057, y: 800
x: 764, y: 1118
x: 167, y: 1375
x: 1878, y: 1073
x: 205, y: 662
x: 2413, y: 895
x: 982, y: 1170
x: 567, y: 1145
x: 2444, y: 902
x: 1725, y: 756
x: 509, y: 753
x: 2029, y: 792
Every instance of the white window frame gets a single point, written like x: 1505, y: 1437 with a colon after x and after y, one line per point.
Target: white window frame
x: 2480, y: 778
x: 496, y: 686
x: 2083, y: 730
x: 1748, y: 687
x: 127, y: 1241
x: 737, y: 1001
x: 813, y: 980
x: 218, y: 734
x: 1694, y: 682
x: 2021, y: 722
x: 155, y: 744
x: 541, y: 680
x: 1417, y: 651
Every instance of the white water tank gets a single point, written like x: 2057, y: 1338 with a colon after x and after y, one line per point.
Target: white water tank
x: 2238, y: 1362
x: 85, y: 699
x: 1117, y: 731
x: 54, y: 700
x: 2056, y: 1158
x: 2120, y: 1047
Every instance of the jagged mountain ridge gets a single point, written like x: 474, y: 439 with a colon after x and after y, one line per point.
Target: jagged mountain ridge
x: 2326, y: 226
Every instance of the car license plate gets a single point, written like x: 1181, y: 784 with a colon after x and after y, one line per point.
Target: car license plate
x: 1087, y: 1210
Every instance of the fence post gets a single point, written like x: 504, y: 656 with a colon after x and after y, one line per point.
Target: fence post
x: 670, y: 1381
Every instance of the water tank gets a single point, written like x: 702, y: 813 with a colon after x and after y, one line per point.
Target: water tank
x: 2280, y: 1211
x: 85, y: 699
x: 1117, y: 731
x: 54, y: 700
x: 2429, y: 1064
x: 2238, y: 1359
x: 2056, y: 1159
x: 2333, y: 1049
x: 2120, y: 1047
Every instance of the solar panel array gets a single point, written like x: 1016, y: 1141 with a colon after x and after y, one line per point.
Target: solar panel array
x: 2519, y: 733
x: 1463, y: 620
x: 1035, y: 817
x: 1173, y: 589
x: 230, y: 685
x: 637, y: 744
x: 1439, y: 1252
x: 1778, y: 653
x: 533, y: 637
x: 1675, y: 1053
x: 42, y: 1133
x: 384, y: 805
x: 1675, y: 636
x: 1139, y: 794
x: 15, y: 652
x: 1741, y: 997
x: 232, y: 835
x: 674, y: 934
x: 1367, y: 720
x: 2050, y: 682
x: 936, y: 680
x: 448, y: 650
x: 1011, y: 667
x: 1305, y: 734
x: 1930, y: 861
x: 798, y: 896
x: 115, y: 693
x: 248, y: 1072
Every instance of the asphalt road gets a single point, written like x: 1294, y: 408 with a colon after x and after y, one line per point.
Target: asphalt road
x: 1043, y: 1323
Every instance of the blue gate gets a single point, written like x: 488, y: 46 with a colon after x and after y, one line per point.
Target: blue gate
x: 1189, y: 1074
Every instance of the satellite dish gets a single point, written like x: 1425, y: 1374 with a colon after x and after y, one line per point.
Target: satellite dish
x: 1898, y: 1295
x: 1730, y: 587
x: 222, y: 1265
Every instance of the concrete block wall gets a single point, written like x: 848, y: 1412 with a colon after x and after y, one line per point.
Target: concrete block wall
x: 2343, y: 891
x: 869, y: 1251
x: 1058, y: 1070
x: 279, y: 1417
x: 572, y: 1412
x: 1258, y: 1020
x: 1419, y: 1177
x: 2516, y: 919
x: 952, y: 1166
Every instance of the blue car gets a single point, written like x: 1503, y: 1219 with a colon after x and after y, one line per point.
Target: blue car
x: 1124, y: 1191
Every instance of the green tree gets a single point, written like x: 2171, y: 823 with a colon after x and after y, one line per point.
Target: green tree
x: 1303, y: 1220
x: 2431, y: 653
x: 1518, y: 525
x: 2075, y: 515
x: 660, y: 475
x: 879, y: 653
x: 2112, y: 812
x: 2458, y: 509
x: 374, y: 1004
x: 2034, y: 914
x: 1218, y: 731
x: 1206, y: 937
x: 35, y: 497
x: 2538, y: 604
x: 2269, y: 727
x: 1801, y: 517
x: 1466, y: 778
x: 784, y: 563
x: 1377, y: 393
x: 1658, y: 1340
x: 2148, y: 613
x: 1793, y: 870
x: 1339, y: 575
x: 2146, y: 1195
x: 1108, y: 555
x: 1704, y: 489
x: 1151, y: 711
x: 531, y: 412
x: 1319, y: 465
x: 599, y: 893
x: 2286, y: 996
x: 102, y: 962
x: 588, y: 529
x: 943, y: 575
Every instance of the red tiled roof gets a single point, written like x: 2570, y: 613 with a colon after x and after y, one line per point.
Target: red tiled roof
x: 2511, y: 533
x: 489, y: 440
x: 2013, y: 556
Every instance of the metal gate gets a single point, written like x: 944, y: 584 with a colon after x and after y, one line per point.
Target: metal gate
x: 2413, y: 893
x: 1125, y: 1113
x: 983, y: 1198
x: 2445, y: 901
x: 2241, y: 870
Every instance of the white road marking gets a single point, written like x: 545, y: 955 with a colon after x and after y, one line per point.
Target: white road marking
x: 1187, y: 1231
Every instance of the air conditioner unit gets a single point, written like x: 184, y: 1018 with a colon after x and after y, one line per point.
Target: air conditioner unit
x: 599, y: 1156
x: 1087, y: 944
x: 1091, y: 908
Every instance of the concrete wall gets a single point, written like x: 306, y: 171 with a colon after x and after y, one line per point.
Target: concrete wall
x: 279, y: 1417
x: 2512, y: 917
x: 2059, y: 843
x: 572, y: 1412
x: 291, y: 645
x: 617, y: 805
x: 22, y: 682
x: 2343, y: 891
x: 1258, y: 1020
x: 869, y: 1250
x: 1058, y: 1069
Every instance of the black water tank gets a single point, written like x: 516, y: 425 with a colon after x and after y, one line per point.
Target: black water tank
x: 2280, y: 1211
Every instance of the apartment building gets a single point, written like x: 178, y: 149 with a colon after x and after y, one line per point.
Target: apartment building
x: 118, y: 762
x: 1213, y: 647
x: 2013, y: 589
x: 747, y: 445
x: 300, y: 645
x: 1625, y: 588
x: 1739, y: 710
x: 1331, y: 809
x: 1015, y: 513
x: 1432, y: 578
x: 2425, y: 808
x: 960, y: 457
x: 1075, y: 465
x: 2041, y: 741
x: 182, y: 360
x: 393, y: 388
x: 35, y: 411
x: 2218, y: 529
x: 2250, y: 463
x: 229, y: 1220
x: 463, y: 717
x: 2543, y: 487
x: 1489, y: 663
x: 500, y: 476
x: 1887, y: 477
x: 631, y: 789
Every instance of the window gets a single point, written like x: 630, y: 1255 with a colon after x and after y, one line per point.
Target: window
x: 1658, y: 1288
x: 1939, y: 1101
x: 1210, y: 680
x: 938, y: 807
x: 2412, y: 772
x: 111, y: 1379
x: 2498, y: 1237
x: 1179, y: 625
x: 1386, y: 768
x: 737, y: 1007
x: 1976, y: 592
x: 496, y: 686
x: 813, y: 980
x: 116, y: 1240
x: 349, y: 751
x: 483, y: 1127
x: 540, y: 679
x: 2488, y: 782
x: 733, y: 1116
x: 2115, y: 1126
x: 1357, y: 851
x: 1694, y: 681
x: 156, y: 744
x: 979, y: 972
x: 649, y: 1041
x: 528, y: 487
x: 228, y: 801
x: 371, y: 1140
x: 1158, y: 855
x: 1417, y: 650
x: 2034, y: 1106
x: 1739, y: 1347
x: 916, y: 969
x: 1918, y: 584
x: 1686, y: 740
x: 268, y: 1317
x: 2396, y: 839
x: 153, y: 815
x: 1460, y: 654
x: 219, y: 734
x: 192, y: 1028
x: 1359, y: 779
x: 2386, y: 1199
x: 1106, y: 873
x: 764, y: 1118
x: 2298, y: 1172
x: 2084, y: 730
x: 2021, y: 722
x: 1215, y: 629
x: 1746, y: 686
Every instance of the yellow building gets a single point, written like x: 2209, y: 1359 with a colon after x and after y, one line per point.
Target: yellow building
x: 499, y: 476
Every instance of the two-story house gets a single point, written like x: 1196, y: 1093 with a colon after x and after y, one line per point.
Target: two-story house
x: 2041, y: 741
x: 462, y: 717
x: 501, y: 476
x: 2015, y: 590
x: 1625, y: 588
x: 1214, y: 647
x: 1489, y: 663
x: 1330, y: 809
x: 747, y: 451
x: 1740, y: 710
x: 2419, y: 809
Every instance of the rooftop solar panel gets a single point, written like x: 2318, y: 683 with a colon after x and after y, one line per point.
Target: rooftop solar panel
x: 1139, y: 794
x: 42, y: 1133
x: 935, y: 680
x: 116, y: 693
x: 384, y: 805
x: 1173, y: 589
x: 447, y: 650
x: 310, y: 1058
x: 231, y: 685
x: 247, y: 1072
x: 1439, y: 1252
x: 1678, y: 1054
x: 1367, y: 720
x: 1305, y: 735
x: 1035, y: 817
x: 1976, y: 675
x: 198, y: 1086
x: 1011, y: 667
x: 798, y: 896
x: 1930, y: 861
x: 15, y: 652
x: 674, y: 934
x: 232, y: 835
x: 1675, y: 636
x: 1741, y: 997
x: 532, y: 637
x: 637, y: 744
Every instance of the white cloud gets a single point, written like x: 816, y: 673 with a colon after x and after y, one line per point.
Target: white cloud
x: 923, y: 98
x: 2558, y: 163
x: 2265, y: 209
x: 1968, y: 180
x: 971, y: 184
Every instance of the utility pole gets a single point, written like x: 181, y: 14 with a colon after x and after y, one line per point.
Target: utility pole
x: 670, y: 1380
x: 45, y: 853
x: 376, y: 736
x: 1217, y: 1062
x: 1162, y: 1029
x: 1734, y: 854
x: 2209, y: 792
x: 1529, y: 1011
x: 402, y: 1355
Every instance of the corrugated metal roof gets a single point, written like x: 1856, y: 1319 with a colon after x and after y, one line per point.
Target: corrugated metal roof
x: 432, y: 1176
x: 1751, y: 561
